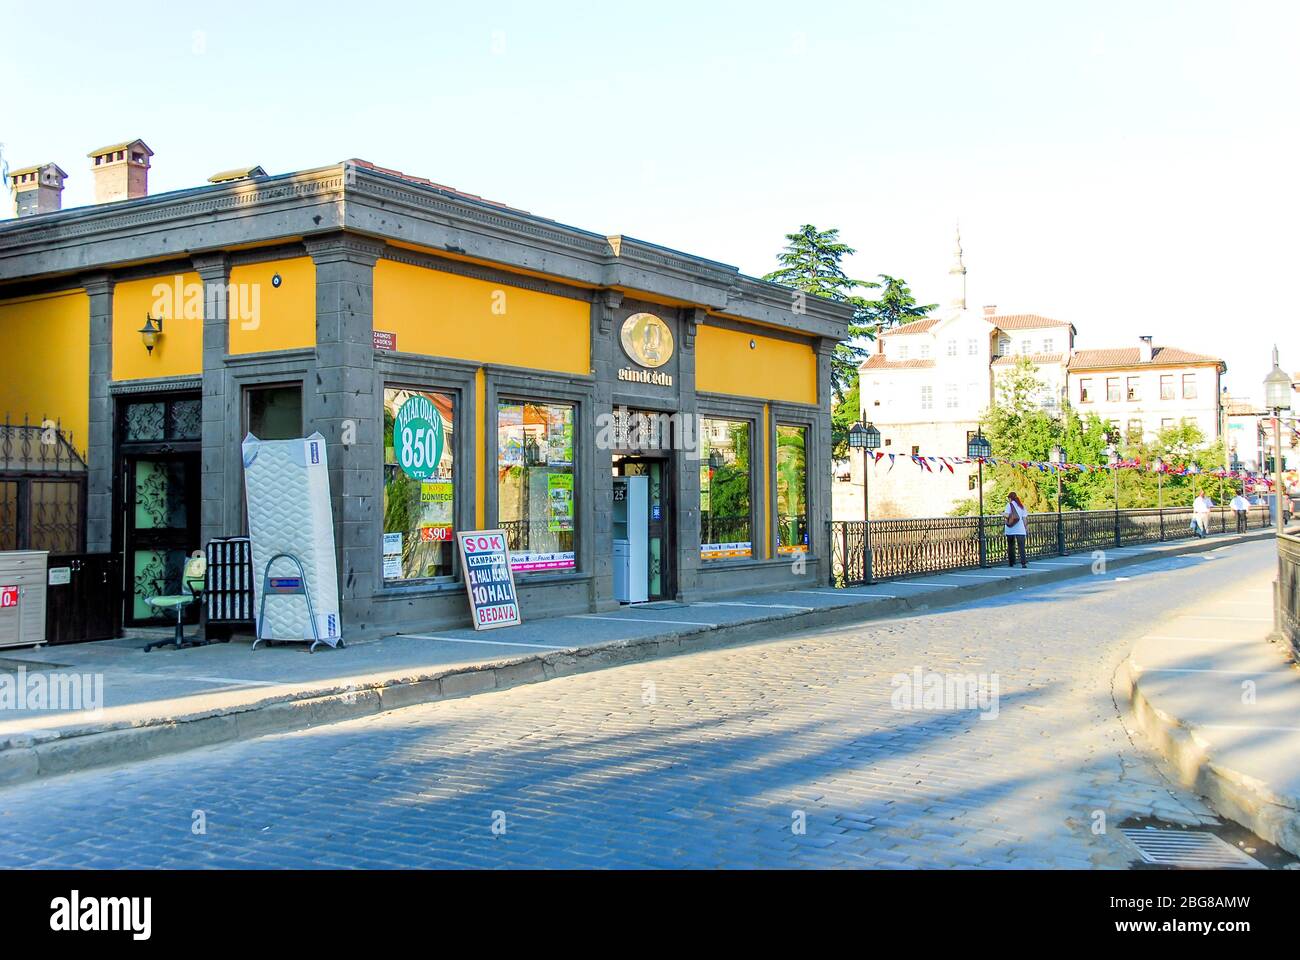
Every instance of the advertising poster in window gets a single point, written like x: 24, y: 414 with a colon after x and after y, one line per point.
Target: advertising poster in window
x: 559, y: 501
x: 536, y: 493
x: 419, y: 485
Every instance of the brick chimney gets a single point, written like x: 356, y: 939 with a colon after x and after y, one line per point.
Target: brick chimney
x: 1145, y: 350
x: 990, y: 309
x: 121, y: 171
x: 37, y: 189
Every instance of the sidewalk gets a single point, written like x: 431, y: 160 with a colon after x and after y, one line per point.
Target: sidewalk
x: 168, y: 700
x: 1221, y: 703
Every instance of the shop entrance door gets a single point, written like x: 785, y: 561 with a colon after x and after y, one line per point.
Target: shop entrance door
x: 659, y: 519
x: 161, y: 526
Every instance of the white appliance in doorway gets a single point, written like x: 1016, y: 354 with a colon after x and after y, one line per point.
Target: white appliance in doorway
x: 631, y: 539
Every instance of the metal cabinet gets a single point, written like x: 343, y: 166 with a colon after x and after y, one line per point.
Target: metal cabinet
x: 22, y: 597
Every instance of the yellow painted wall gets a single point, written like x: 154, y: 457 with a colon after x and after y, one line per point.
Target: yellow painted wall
x: 445, y: 315
x: 285, y: 316
x: 773, y: 370
x: 180, y: 349
x: 45, y: 361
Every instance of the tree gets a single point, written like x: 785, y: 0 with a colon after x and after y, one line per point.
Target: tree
x: 844, y: 414
x: 810, y: 263
x: 896, y: 305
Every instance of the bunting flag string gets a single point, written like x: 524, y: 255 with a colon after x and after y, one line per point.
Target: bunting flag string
x: 932, y: 465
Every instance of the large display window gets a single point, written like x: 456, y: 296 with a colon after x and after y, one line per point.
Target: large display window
x: 419, y: 485
x: 726, y: 513
x: 537, y: 493
x: 792, y: 489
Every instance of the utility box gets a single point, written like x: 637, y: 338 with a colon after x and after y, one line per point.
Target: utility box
x: 22, y: 597
x: 631, y: 539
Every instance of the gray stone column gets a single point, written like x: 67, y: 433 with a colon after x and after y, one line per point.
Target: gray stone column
x: 99, y: 439
x: 219, y: 504
x: 604, y: 365
x: 687, y: 494
x: 340, y: 403
x: 819, y: 466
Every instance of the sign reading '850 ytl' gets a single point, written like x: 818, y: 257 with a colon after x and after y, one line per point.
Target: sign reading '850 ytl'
x: 417, y: 438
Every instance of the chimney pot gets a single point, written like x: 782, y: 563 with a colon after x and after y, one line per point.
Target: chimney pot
x: 121, y: 171
x: 37, y: 189
x: 1145, y: 349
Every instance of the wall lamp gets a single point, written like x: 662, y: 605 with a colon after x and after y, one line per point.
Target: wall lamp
x: 149, y: 333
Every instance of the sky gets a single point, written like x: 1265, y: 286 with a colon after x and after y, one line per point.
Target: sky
x: 1130, y: 167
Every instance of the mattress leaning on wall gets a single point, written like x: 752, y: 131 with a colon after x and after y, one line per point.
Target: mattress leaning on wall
x: 287, y: 495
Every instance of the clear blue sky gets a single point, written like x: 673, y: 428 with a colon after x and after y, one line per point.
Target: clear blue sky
x: 1128, y: 166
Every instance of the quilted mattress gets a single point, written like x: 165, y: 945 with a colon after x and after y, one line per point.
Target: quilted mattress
x: 287, y: 491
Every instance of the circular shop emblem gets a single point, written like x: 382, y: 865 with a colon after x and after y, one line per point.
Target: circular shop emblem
x: 647, y: 340
x: 417, y: 438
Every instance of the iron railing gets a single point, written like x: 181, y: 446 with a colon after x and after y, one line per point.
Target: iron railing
x: 904, y: 548
x: 1288, y: 590
x: 42, y: 488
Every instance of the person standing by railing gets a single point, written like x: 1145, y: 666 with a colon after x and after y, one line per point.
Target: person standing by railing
x: 1239, y: 506
x: 1201, y: 507
x: 1016, y: 530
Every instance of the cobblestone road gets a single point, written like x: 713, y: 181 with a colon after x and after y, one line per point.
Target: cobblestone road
x: 709, y: 759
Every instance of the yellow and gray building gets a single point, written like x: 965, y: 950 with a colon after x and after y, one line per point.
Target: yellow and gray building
x: 156, y: 331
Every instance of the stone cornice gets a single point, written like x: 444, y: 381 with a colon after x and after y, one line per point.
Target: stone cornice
x: 360, y: 209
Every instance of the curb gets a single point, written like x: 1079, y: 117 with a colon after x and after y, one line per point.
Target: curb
x: 38, y: 754
x: 1247, y: 800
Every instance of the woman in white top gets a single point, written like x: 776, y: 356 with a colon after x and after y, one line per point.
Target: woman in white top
x: 1016, y: 530
x: 1201, y: 513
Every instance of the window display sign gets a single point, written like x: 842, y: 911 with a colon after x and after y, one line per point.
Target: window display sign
x: 489, y: 582
x: 559, y: 501
x: 417, y: 438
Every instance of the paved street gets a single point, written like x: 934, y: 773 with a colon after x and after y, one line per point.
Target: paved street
x: 715, y: 758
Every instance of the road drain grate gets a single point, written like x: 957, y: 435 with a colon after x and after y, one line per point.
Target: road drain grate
x: 1188, y: 848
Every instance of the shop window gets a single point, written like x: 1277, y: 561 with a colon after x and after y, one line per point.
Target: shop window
x: 536, y: 489
x: 725, y: 504
x: 419, y: 485
x: 792, y: 489
x: 274, y: 412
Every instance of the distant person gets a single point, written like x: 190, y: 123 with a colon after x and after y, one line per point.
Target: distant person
x: 1201, y: 514
x: 1016, y: 530
x: 1239, y: 506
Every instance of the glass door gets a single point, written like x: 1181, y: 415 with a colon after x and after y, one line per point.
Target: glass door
x: 161, y: 527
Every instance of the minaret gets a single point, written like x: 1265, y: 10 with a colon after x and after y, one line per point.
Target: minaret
x: 958, y: 273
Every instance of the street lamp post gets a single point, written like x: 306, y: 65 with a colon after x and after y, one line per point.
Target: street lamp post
x: 1277, y: 397
x: 865, y: 437
x: 1112, y: 457
x: 978, y: 448
x: 1158, y: 465
x: 1058, y: 460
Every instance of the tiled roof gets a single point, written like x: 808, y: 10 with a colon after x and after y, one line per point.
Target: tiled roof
x: 1132, y: 357
x: 878, y: 361
x: 424, y: 181
x: 1024, y: 321
x: 1013, y: 358
x: 916, y: 326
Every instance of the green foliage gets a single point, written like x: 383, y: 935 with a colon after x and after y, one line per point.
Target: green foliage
x: 1018, y: 427
x: 844, y: 413
x: 896, y: 305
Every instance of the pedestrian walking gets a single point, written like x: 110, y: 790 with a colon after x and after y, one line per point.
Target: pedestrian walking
x: 1201, y: 514
x: 1016, y: 530
x: 1239, y: 506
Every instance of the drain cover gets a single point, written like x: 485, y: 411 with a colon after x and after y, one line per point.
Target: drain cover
x: 1188, y: 848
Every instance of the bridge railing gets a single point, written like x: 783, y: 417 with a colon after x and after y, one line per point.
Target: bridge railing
x: 1288, y: 589
x: 905, y: 548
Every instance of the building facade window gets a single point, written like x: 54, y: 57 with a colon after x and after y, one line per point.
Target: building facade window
x: 1085, y: 390
x: 537, y: 492
x: 1026, y: 346
x: 902, y: 351
x: 274, y: 412
x: 925, y: 351
x: 1166, y: 386
x: 792, y: 489
x: 1049, y: 345
x: 725, y: 499
x: 1133, y: 389
x: 1112, y: 389
x: 952, y: 348
x: 419, y: 485
x: 950, y: 396
x: 1189, y: 386
x: 972, y: 347
x: 927, y: 397
x: 1135, y: 431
